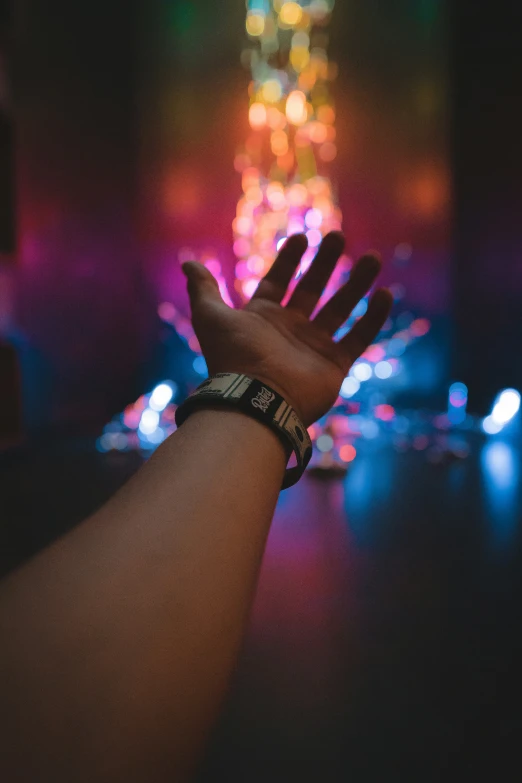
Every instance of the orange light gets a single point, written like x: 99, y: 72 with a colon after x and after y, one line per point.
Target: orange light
x: 275, y: 119
x: 297, y: 195
x: 296, y: 109
x: 347, y: 453
x: 326, y: 114
x: 250, y: 178
x: 279, y: 142
x: 324, y: 205
x: 286, y: 162
x: 254, y: 195
x: 328, y: 152
x: 241, y: 162
x: 318, y: 132
x: 257, y: 116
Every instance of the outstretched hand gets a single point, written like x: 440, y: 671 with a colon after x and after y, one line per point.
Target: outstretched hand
x: 281, y: 346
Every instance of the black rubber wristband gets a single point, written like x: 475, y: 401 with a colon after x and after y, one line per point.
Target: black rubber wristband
x: 261, y: 402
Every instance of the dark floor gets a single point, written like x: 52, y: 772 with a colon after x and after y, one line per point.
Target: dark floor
x: 386, y: 638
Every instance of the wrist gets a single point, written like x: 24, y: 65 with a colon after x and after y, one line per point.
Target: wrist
x: 257, y: 400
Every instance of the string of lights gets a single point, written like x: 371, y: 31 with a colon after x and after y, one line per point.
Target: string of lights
x: 286, y: 188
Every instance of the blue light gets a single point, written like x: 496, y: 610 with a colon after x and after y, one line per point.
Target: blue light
x: 362, y: 371
x: 325, y: 443
x: 501, y: 470
x: 161, y: 396
x: 149, y: 421
x: 200, y: 365
x: 350, y: 387
x: 383, y: 370
x: 369, y: 429
x: 490, y: 426
x: 396, y: 346
x: 360, y: 309
x: 507, y: 405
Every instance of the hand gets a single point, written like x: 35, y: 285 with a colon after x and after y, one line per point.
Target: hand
x: 281, y: 346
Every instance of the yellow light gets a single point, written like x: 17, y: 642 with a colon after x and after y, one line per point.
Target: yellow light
x: 257, y: 115
x: 255, y: 23
x: 271, y: 91
x: 279, y: 142
x: 299, y: 58
x: 290, y: 14
x: 296, y: 109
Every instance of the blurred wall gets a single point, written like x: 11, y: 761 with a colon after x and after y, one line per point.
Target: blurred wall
x: 487, y: 164
x: 84, y: 305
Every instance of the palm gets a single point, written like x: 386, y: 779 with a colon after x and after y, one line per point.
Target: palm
x: 281, y: 345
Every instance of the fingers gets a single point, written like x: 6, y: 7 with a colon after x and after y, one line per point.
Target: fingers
x: 368, y: 327
x: 273, y: 286
x: 201, y: 285
x: 336, y: 311
x: 308, y: 291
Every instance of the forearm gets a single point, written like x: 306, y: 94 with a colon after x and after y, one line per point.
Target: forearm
x: 122, y: 636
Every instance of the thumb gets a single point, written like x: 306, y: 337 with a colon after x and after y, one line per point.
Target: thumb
x: 202, y: 286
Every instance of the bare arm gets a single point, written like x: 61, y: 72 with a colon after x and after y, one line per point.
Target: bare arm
x: 118, y: 641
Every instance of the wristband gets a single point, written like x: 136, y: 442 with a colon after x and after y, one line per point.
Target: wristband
x: 258, y: 400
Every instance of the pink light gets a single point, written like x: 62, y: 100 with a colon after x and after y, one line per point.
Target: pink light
x: 256, y: 265
x: 194, y: 344
x: 213, y: 266
x: 131, y: 417
x: 223, y: 290
x: 241, y: 247
x: 295, y: 227
x: 347, y: 453
x: 420, y: 327
x: 249, y: 287
x: 314, y: 237
x: 375, y: 354
x: 313, y: 218
x: 306, y: 262
x: 385, y: 412
x: 167, y: 312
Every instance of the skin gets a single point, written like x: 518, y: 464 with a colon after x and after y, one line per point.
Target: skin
x: 119, y: 640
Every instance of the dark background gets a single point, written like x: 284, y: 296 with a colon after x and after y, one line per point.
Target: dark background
x: 385, y: 640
